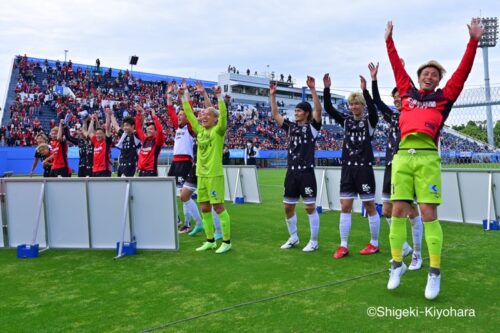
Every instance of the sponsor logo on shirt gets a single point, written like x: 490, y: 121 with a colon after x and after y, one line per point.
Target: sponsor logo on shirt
x: 413, y: 103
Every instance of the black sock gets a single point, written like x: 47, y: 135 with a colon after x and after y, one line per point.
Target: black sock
x: 396, y: 264
x: 211, y: 240
x: 226, y: 241
x: 435, y: 271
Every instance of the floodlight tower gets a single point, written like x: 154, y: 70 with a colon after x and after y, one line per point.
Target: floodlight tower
x: 489, y: 39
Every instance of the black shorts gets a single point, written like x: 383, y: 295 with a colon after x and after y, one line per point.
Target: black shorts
x: 61, y: 172
x: 191, y: 181
x: 180, y: 170
x: 126, y: 170
x: 300, y: 184
x: 386, y: 188
x: 105, y: 173
x: 148, y: 173
x: 357, y: 180
x: 84, y: 171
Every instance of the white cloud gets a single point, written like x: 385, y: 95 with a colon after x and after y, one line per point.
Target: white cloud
x: 201, y: 38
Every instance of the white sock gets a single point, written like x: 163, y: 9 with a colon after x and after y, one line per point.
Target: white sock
x: 417, y: 231
x: 314, y: 225
x: 291, y: 224
x: 218, y: 229
x: 374, y: 222
x: 187, y: 214
x: 345, y: 228
x: 192, y: 208
x: 388, y: 219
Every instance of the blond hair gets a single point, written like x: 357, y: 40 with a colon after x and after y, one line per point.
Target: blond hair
x: 356, y: 97
x: 213, y: 110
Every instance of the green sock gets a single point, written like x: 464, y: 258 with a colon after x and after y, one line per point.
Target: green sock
x: 225, y: 225
x: 434, y: 240
x: 397, y: 237
x: 208, y: 224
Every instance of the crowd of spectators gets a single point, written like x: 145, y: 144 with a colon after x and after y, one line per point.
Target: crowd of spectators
x: 91, y: 90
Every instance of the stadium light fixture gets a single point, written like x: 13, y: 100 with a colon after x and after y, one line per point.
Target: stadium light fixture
x: 490, y: 36
x: 489, y: 39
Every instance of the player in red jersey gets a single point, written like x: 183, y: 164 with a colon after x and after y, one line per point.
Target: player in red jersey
x: 152, y: 142
x: 101, y: 141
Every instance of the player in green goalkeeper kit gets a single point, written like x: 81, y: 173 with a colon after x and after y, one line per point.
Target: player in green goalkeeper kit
x: 210, y: 134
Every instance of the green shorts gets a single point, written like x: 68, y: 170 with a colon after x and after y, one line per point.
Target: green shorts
x: 211, y: 189
x: 416, y: 173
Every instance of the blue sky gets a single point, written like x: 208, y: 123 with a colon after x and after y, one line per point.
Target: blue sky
x: 201, y: 38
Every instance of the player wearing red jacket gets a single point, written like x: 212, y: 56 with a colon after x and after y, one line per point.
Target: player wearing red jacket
x: 59, y: 154
x: 152, y: 142
x: 101, y: 141
x: 416, y: 168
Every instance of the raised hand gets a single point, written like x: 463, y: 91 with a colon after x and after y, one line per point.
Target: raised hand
x: 272, y: 88
x: 217, y: 90
x: 311, y: 83
x: 138, y: 108
x: 170, y: 88
x: 373, y: 70
x: 476, y: 29
x: 184, y: 85
x: 198, y: 87
x: 108, y: 111
x: 388, y: 30
x: 327, y: 82
x: 363, y: 82
x: 61, y: 122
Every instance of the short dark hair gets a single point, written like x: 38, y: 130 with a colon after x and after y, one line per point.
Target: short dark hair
x: 99, y: 129
x: 394, y: 91
x: 129, y: 120
x: 150, y: 124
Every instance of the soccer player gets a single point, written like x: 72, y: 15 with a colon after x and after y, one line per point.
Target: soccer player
x: 152, y: 142
x: 357, y: 176
x: 101, y: 141
x: 210, y: 136
x: 128, y: 145
x: 416, y: 168
x: 183, y: 161
x: 59, y: 154
x: 85, y: 149
x: 42, y: 152
x: 41, y: 140
x: 393, y: 137
x: 300, y: 180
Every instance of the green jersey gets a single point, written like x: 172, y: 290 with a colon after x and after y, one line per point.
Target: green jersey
x: 210, y: 142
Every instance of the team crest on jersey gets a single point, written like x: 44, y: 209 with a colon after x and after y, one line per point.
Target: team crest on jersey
x: 304, y: 129
x: 366, y: 188
x: 361, y: 124
x: 213, y: 194
x: 309, y: 191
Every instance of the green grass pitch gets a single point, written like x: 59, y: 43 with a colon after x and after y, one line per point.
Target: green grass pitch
x: 88, y: 291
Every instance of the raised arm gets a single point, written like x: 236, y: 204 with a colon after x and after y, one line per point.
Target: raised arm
x: 60, y: 136
x: 160, y: 137
x: 386, y: 111
x: 199, y: 87
x: 138, y: 123
x: 107, y: 124
x: 311, y: 84
x: 68, y: 136
x: 189, y: 111
x: 114, y: 122
x: 274, y: 105
x: 456, y: 83
x: 170, y: 106
x: 372, y: 110
x: 222, y: 122
x: 403, y: 81
x: 327, y: 100
x: 91, y: 131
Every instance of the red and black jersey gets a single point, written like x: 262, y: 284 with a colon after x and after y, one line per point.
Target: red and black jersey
x: 426, y: 111
x: 101, y: 156
x: 151, y: 147
x: 60, y: 153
